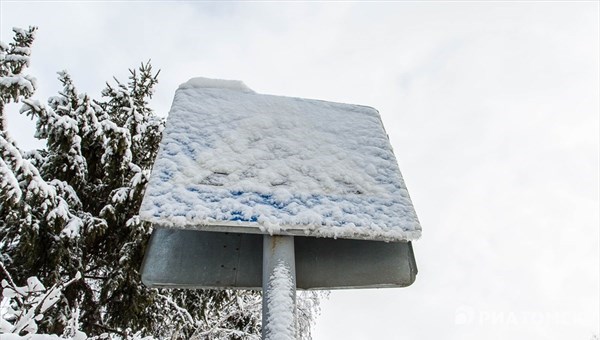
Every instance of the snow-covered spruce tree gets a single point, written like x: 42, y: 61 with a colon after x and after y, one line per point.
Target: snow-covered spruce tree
x: 33, y: 211
x: 72, y: 208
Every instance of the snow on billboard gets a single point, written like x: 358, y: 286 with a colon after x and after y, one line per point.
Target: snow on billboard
x: 234, y: 160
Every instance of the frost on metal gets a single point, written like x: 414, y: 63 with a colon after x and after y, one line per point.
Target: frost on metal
x: 282, y: 308
x: 232, y: 159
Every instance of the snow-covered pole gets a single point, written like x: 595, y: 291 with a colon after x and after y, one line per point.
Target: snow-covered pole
x: 279, y: 288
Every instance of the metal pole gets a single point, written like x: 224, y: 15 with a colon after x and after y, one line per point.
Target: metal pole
x: 279, y: 288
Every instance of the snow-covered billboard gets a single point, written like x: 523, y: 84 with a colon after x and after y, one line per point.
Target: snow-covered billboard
x: 234, y: 160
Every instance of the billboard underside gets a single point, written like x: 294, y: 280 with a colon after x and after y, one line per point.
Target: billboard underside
x: 225, y: 260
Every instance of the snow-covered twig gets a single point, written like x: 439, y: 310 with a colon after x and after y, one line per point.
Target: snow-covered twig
x: 10, y: 282
x: 218, y: 329
x: 36, y: 300
x: 180, y: 310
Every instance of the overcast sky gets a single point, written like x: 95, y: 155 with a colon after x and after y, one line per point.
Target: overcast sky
x: 492, y: 109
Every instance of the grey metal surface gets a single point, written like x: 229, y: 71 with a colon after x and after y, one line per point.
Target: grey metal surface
x: 277, y: 251
x: 201, y: 259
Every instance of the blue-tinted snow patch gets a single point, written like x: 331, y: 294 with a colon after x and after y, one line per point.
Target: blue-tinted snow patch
x: 165, y: 175
x: 238, y: 216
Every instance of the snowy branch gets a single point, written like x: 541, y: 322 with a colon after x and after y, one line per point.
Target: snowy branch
x: 183, y: 313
